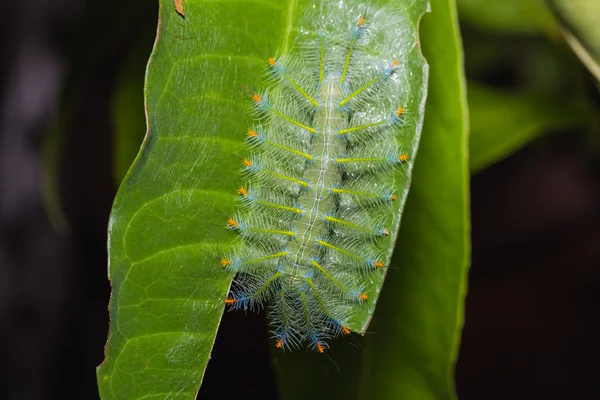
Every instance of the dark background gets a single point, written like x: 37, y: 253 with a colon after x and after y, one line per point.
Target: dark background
x: 531, y: 316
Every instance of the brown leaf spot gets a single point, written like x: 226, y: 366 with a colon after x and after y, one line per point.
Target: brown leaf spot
x: 179, y: 7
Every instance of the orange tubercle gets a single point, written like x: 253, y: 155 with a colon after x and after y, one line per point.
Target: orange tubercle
x: 225, y: 262
x: 378, y: 264
x: 242, y: 190
x: 394, y: 197
x: 256, y: 97
x: 364, y: 297
x: 345, y: 330
x: 232, y: 223
x: 230, y: 301
x: 320, y: 348
x: 395, y: 63
x: 247, y: 163
x: 361, y: 22
x: 403, y: 157
x: 252, y: 133
x: 272, y: 61
x: 400, y: 111
x: 279, y: 343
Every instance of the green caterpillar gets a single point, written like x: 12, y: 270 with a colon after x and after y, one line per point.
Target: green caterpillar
x: 331, y: 147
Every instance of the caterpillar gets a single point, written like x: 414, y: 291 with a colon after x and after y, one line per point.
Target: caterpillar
x: 317, y: 203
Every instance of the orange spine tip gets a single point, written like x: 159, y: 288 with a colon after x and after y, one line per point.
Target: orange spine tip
x: 243, y: 191
x: 279, y: 343
x: 256, y: 97
x: 378, y: 264
x: 230, y: 301
x: 252, y: 133
x: 400, y: 111
x: 364, y: 297
x: 403, y: 157
x: 395, y: 63
x: 345, y: 330
x: 361, y: 22
x: 225, y: 262
x: 272, y: 61
x: 232, y: 223
x: 247, y: 163
x: 320, y: 348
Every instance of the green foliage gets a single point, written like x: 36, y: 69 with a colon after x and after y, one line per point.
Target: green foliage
x: 515, y: 16
x: 581, y: 29
x: 502, y: 122
x: 518, y: 78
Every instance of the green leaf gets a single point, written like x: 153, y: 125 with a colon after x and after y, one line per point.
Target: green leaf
x: 411, y: 347
x: 420, y: 317
x: 167, y: 219
x: 503, y: 122
x: 581, y: 29
x: 507, y: 16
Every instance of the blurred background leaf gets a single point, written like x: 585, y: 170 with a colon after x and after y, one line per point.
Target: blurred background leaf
x: 92, y: 45
x: 502, y: 122
x: 524, y: 82
x: 581, y: 29
x: 527, y: 17
x: 127, y: 113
